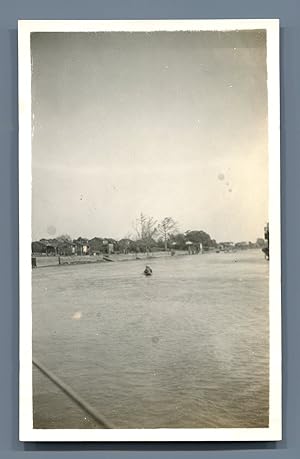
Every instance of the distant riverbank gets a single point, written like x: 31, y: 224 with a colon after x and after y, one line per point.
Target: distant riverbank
x: 44, y: 261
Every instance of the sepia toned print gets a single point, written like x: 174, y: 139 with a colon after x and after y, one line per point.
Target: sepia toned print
x: 154, y: 185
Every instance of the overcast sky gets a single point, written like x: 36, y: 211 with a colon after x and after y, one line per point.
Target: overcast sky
x: 165, y: 123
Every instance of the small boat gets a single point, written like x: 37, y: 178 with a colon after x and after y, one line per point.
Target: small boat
x: 148, y: 271
x: 107, y: 259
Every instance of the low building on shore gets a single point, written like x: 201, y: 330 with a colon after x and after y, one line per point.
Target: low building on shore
x: 82, y: 246
x: 226, y: 246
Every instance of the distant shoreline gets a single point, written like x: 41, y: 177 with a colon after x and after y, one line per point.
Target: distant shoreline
x: 53, y: 261
x: 50, y: 261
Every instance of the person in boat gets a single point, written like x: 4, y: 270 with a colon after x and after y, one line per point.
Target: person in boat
x: 148, y: 271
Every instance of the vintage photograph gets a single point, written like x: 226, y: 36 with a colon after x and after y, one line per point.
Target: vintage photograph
x: 151, y: 186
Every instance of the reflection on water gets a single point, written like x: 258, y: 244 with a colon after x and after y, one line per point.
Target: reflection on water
x: 187, y: 347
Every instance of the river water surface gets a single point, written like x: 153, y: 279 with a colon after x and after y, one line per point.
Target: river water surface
x: 187, y: 347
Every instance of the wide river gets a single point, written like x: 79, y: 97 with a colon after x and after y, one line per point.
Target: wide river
x: 187, y: 347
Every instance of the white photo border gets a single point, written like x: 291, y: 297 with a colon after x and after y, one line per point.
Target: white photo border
x: 26, y: 430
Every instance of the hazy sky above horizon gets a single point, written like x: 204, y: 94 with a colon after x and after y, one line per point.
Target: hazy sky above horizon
x: 165, y: 123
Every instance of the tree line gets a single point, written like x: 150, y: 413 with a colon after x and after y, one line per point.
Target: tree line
x: 165, y: 234
x: 148, y: 235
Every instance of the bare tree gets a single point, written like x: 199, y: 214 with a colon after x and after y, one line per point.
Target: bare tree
x: 166, y: 228
x: 145, y: 228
